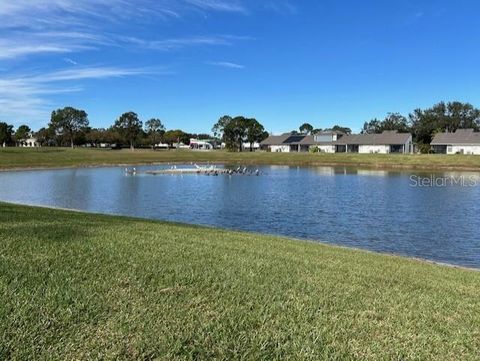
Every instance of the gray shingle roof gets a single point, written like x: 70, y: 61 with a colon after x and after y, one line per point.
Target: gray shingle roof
x: 290, y: 139
x: 276, y: 139
x: 461, y: 136
x: 308, y: 140
x: 294, y: 139
x: 386, y: 138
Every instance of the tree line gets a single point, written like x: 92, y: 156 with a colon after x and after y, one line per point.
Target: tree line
x: 70, y: 127
x: 308, y: 129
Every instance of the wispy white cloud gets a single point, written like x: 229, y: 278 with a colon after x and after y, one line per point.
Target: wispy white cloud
x: 414, y: 18
x: 66, y: 26
x: 219, y: 5
x: 60, y: 29
x: 67, y: 13
x: 24, y: 44
x: 56, y: 13
x: 177, y: 43
x: 26, y: 97
x: 86, y: 73
x: 282, y: 7
x: 226, y: 64
x: 70, y: 61
x: 13, y: 50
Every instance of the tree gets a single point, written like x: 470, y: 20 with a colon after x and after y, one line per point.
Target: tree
x: 345, y: 130
x: 155, y: 129
x: 255, y: 132
x: 69, y: 122
x: 176, y: 136
x: 371, y: 127
x: 202, y: 136
x: 129, y: 127
x: 6, y: 133
x: 306, y: 128
x: 234, y: 133
x: 95, y: 136
x: 45, y: 136
x: 393, y: 121
x: 443, y: 117
x: 22, y: 133
x: 219, y: 127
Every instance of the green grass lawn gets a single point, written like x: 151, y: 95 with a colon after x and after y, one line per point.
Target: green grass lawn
x: 65, y: 157
x: 85, y: 286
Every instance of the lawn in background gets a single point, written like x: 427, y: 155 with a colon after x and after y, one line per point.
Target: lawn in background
x: 11, y: 158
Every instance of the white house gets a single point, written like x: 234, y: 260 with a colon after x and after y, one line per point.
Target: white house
x: 390, y: 141
x: 254, y: 146
x: 325, y: 141
x: 287, y: 143
x: 162, y: 146
x: 463, y: 141
x: 200, y: 144
x: 29, y: 142
x: 337, y: 142
x: 245, y: 146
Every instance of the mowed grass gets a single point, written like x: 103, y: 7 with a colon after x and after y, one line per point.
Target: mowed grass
x: 82, y: 157
x: 85, y: 286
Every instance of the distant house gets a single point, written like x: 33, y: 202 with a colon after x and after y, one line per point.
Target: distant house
x: 30, y: 142
x: 338, y: 142
x: 390, y: 141
x: 197, y: 144
x: 254, y: 146
x: 287, y: 143
x: 162, y: 146
x: 245, y: 146
x: 276, y: 143
x: 325, y: 142
x: 463, y: 141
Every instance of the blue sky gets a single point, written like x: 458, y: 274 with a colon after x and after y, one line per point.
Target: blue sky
x: 189, y: 62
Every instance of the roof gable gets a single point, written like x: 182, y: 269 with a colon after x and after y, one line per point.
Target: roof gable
x: 461, y: 136
x: 385, y: 138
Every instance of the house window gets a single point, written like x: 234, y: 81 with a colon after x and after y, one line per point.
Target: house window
x: 449, y: 149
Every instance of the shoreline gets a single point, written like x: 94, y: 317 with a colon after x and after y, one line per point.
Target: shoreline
x: 359, y: 166
x: 19, y: 159
x: 239, y: 231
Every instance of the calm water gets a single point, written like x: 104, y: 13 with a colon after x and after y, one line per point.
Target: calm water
x: 374, y: 210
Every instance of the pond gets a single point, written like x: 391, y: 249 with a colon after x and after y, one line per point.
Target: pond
x: 434, y: 216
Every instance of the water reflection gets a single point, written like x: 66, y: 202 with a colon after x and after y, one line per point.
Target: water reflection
x: 376, y: 209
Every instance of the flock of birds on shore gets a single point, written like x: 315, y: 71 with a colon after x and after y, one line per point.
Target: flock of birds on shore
x: 209, y: 171
x: 215, y: 171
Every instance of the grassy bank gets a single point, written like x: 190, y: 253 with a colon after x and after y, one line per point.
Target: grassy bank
x: 64, y: 157
x: 78, y: 286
